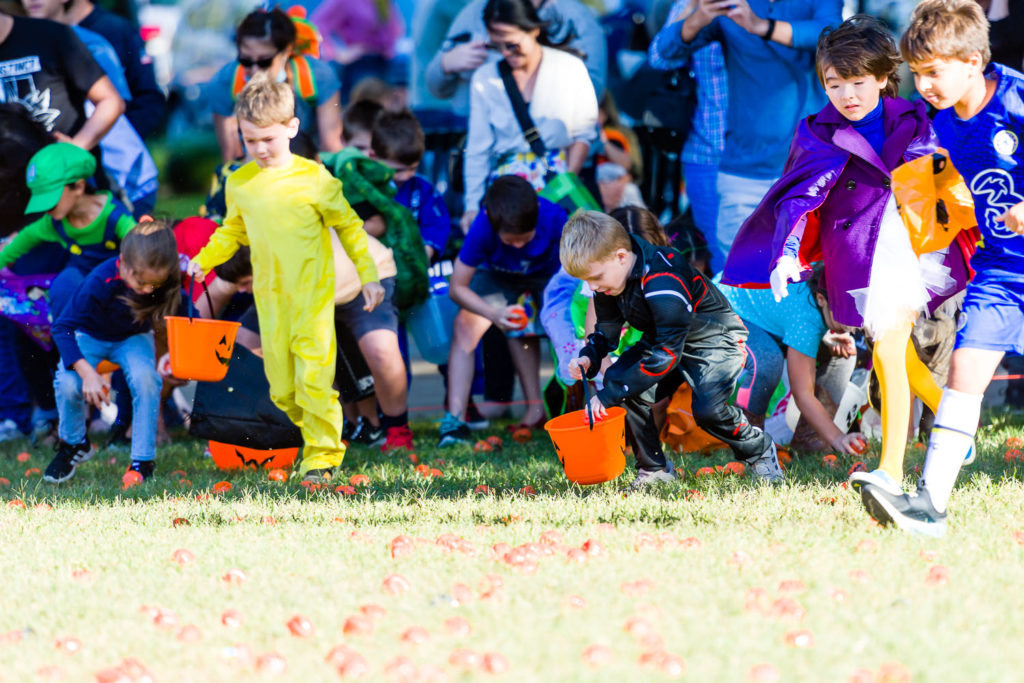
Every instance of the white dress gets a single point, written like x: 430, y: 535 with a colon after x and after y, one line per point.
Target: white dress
x: 900, y: 284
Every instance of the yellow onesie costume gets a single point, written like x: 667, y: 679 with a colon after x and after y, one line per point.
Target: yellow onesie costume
x: 283, y: 214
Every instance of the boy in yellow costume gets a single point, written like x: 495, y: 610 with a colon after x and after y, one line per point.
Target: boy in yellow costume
x: 281, y: 206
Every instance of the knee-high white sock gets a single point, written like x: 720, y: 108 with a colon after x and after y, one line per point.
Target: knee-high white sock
x: 952, y: 436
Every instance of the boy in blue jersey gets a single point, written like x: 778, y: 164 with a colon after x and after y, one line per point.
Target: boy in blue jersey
x: 981, y: 123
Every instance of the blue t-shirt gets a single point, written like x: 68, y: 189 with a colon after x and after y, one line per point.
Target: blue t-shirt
x: 427, y: 205
x: 222, y: 100
x: 795, y: 320
x: 539, y: 256
x: 986, y: 149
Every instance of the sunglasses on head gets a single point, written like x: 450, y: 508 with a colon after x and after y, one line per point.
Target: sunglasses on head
x: 503, y: 47
x: 264, y: 63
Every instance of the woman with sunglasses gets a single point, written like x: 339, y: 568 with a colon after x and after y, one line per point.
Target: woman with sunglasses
x: 266, y: 41
x: 559, y: 95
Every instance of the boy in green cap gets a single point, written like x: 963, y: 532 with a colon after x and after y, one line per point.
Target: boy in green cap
x: 90, y: 225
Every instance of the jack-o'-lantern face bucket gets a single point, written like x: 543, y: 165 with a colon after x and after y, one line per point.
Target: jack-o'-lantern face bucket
x: 200, y: 348
x: 229, y: 457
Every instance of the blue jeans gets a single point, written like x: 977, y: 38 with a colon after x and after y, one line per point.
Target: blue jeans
x: 762, y: 371
x: 702, y: 190
x: 137, y: 357
x: 737, y: 199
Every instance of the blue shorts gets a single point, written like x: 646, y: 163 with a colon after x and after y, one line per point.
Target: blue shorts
x: 993, y: 317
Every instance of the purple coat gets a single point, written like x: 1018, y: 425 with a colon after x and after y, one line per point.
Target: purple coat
x: 831, y: 197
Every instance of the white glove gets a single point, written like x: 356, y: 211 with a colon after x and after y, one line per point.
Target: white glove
x: 786, y: 270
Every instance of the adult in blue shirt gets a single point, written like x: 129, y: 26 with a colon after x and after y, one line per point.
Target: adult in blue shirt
x: 145, y: 109
x: 769, y: 58
x: 511, y: 248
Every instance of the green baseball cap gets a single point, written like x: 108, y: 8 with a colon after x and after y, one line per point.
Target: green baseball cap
x: 53, y: 167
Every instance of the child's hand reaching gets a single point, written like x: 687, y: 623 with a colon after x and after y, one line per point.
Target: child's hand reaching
x: 597, y: 410
x: 1013, y: 219
x: 373, y: 295
x: 195, y: 271
x: 95, y: 391
x: 786, y: 270
x: 578, y: 367
x: 850, y: 444
x: 163, y: 368
x: 508, y: 318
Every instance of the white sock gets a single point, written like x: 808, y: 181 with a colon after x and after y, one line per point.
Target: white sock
x: 955, y: 426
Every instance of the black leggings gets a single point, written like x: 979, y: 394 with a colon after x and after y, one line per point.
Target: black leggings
x: 711, y: 369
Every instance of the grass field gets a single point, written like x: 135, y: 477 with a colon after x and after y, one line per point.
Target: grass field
x: 715, y: 579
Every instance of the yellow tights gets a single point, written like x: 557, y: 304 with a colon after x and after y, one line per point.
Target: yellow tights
x: 899, y: 372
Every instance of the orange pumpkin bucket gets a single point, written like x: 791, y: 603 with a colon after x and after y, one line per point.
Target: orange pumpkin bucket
x: 229, y: 457
x: 590, y: 453
x: 200, y: 348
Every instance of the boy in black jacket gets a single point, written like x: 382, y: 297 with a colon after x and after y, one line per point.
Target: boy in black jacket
x: 689, y: 334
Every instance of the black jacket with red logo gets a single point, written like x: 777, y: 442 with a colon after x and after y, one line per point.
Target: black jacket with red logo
x: 679, y: 312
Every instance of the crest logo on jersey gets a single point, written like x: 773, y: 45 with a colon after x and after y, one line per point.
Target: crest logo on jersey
x: 1005, y: 143
x: 996, y: 186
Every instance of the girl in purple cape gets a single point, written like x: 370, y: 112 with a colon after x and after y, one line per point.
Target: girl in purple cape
x: 834, y: 203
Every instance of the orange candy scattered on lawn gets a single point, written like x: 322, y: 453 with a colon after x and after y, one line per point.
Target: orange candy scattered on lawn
x: 800, y: 639
x: 1013, y: 455
x: 435, y: 473
x: 183, y: 556
x: 300, y: 626
x: 347, y: 490
x: 463, y: 659
x: 234, y: 576
x: 23, y: 457
x: 705, y: 472
x: 736, y: 468
x: 415, y: 635
x: 131, y: 478
x: 528, y: 491
x: 43, y: 507
x: 396, y: 584
x: 938, y: 575
x: 277, y: 474
x: 16, y: 504
x: 482, y: 447
x: 359, y: 480
x: 494, y: 663
x: 180, y: 521
x: 857, y: 467
x: 357, y: 625
x: 792, y: 586
x: 1014, y: 442
x: 522, y: 435
x: 32, y: 472
x: 413, y: 458
x: 829, y: 461
x: 231, y: 618
x: 893, y: 672
x: 272, y: 663
x: 189, y: 633
x: 763, y: 672
x: 495, y: 442
x: 5, y: 482
x: 595, y: 656
x: 457, y: 626
x: 482, y: 488
x: 222, y: 487
x: 68, y: 644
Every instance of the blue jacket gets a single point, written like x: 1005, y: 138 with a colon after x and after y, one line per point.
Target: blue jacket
x: 771, y: 87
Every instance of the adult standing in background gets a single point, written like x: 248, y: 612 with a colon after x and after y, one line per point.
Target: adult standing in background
x: 769, y: 58
x: 558, y: 95
x: 702, y: 151
x: 465, y: 47
x: 145, y: 110
x: 430, y: 23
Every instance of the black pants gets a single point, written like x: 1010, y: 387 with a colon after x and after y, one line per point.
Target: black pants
x: 711, y: 369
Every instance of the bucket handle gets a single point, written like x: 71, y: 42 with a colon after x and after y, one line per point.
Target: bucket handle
x: 586, y: 402
x: 192, y: 306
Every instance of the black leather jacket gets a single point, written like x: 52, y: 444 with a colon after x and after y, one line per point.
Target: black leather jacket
x: 681, y: 314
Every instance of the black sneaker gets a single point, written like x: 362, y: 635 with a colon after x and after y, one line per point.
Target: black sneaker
x: 68, y: 458
x: 319, y: 476
x: 348, y: 428
x: 914, y: 513
x: 365, y: 434
x: 474, y: 420
x: 143, y: 467
x: 453, y: 431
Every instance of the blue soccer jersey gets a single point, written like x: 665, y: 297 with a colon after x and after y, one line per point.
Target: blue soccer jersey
x: 987, y: 150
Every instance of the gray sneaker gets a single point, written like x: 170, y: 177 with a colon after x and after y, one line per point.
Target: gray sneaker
x: 645, y: 478
x: 914, y: 513
x: 879, y: 479
x: 766, y: 467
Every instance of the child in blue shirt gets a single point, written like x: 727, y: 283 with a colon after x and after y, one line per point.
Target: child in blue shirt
x: 398, y: 143
x: 981, y: 122
x: 511, y: 248
x: 111, y: 317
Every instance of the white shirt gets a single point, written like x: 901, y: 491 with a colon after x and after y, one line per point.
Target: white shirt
x: 563, y: 107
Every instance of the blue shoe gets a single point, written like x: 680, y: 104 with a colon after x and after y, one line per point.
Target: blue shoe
x: 879, y: 479
x: 453, y: 431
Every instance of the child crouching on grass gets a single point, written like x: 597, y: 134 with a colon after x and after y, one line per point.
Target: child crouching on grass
x: 111, y: 317
x: 689, y: 334
x: 282, y: 206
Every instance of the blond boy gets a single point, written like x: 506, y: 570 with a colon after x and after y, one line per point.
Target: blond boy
x: 980, y: 122
x: 282, y: 206
x: 690, y: 333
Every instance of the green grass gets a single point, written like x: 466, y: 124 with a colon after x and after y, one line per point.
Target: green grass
x: 327, y: 554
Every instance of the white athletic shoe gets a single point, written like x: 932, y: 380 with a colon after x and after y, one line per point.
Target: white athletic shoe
x: 878, y: 478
